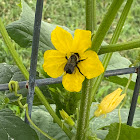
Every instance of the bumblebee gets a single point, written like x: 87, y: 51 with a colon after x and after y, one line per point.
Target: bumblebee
x: 72, y: 63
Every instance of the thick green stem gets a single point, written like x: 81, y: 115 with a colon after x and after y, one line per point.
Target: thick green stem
x: 96, y: 82
x: 94, y: 19
x: 105, y: 24
x: 84, y: 111
x: 86, y: 94
x: 86, y: 97
x: 119, y: 47
x: 96, y: 43
x: 26, y: 75
x: 89, y: 15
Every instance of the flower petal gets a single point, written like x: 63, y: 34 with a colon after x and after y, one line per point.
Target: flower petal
x: 111, y: 97
x: 61, y: 39
x: 116, y: 103
x: 54, y: 63
x: 73, y: 82
x: 82, y: 41
x: 91, y: 67
x: 98, y: 112
x: 111, y: 101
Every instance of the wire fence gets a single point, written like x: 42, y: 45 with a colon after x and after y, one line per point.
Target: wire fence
x: 39, y: 82
x: 49, y: 81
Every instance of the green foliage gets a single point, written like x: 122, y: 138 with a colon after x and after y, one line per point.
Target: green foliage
x: 99, y: 125
x: 127, y: 132
x: 3, y: 100
x: 119, y: 62
x: 7, y: 72
x: 45, y: 122
x: 23, y: 30
x: 11, y: 72
x: 13, y: 127
x: 63, y: 99
x: 68, y: 101
x: 112, y: 117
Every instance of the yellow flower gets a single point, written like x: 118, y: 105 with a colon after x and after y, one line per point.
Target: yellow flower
x: 66, y: 117
x: 109, y: 102
x: 71, y: 58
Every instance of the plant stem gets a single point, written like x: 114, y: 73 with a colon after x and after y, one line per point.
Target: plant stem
x: 26, y: 75
x: 14, y: 86
x: 84, y: 111
x: 105, y: 24
x: 31, y: 122
x: 120, y: 47
x: 94, y: 18
x: 89, y: 15
x: 12, y: 50
x: 83, y: 119
x: 96, y: 82
x: 86, y: 97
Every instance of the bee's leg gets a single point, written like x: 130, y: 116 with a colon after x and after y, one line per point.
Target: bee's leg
x: 81, y: 60
x: 66, y: 57
x: 79, y: 70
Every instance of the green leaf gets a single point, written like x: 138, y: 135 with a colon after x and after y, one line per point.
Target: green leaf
x: 119, y: 62
x: 11, y: 72
x: 65, y: 100
x: 21, y: 31
x: 127, y: 132
x: 12, y: 127
x: 98, y: 124
x: 44, y: 121
x: 6, y: 72
x: 101, y: 134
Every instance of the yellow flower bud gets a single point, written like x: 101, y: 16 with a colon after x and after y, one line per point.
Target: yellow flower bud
x: 109, y: 102
x: 66, y: 117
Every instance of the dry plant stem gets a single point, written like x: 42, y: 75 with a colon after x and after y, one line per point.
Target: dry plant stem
x: 26, y: 75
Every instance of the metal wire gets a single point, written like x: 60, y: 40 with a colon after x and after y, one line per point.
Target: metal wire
x: 134, y: 99
x: 49, y: 81
x: 34, y: 55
